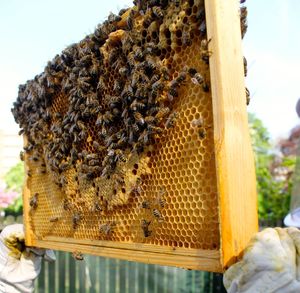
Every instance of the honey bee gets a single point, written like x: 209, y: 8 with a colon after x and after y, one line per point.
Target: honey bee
x: 124, y: 71
x: 67, y: 204
x: 197, y: 79
x: 127, y: 42
x: 22, y: 156
x: 202, y: 133
x: 181, y: 77
x: 197, y: 122
x: 118, y: 87
x: 202, y: 27
x: 99, y: 120
x: 171, y: 120
x: 155, y: 78
x: 122, y: 11
x: 106, y: 229
x: 151, y: 49
x: 139, y: 118
x: 131, y: 59
x: 150, y: 63
x: 97, y: 146
x: 97, y: 206
x: 150, y: 119
x: 113, y: 18
x: 119, y: 178
x: 137, y: 189
x: 94, y: 69
x: 161, y: 202
x: 154, y: 129
x: 138, y: 53
x: 186, y: 39
x: 77, y: 255
x: 114, y: 101
x: 177, y: 3
x: 204, y: 52
x: 144, y: 137
x: 130, y: 19
x: 93, y: 162
x: 127, y: 92
x: 156, y: 213
x: 243, y: 17
x: 33, y: 201
x: 120, y: 155
x: 28, y: 148
x: 145, y: 227
x: 122, y: 141
x: 245, y: 65
x: 145, y: 204
x: 147, y: 20
x: 107, y: 170
x: 76, y: 219
x: 165, y: 72
x: 53, y: 219
x: 247, y: 96
x: 137, y: 105
x: 162, y: 112
x: 135, y: 127
x: 114, y: 55
x: 172, y: 93
x: 64, y: 166
x: 101, y: 85
x: 157, y: 11
x: 107, y: 118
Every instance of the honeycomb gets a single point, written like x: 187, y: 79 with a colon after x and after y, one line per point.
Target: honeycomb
x: 119, y: 131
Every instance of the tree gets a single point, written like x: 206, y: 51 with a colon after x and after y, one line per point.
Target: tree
x: 14, y: 182
x: 273, y: 174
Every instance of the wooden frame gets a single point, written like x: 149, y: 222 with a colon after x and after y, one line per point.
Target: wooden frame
x: 233, y: 155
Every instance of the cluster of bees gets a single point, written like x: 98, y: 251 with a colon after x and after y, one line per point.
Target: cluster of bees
x: 112, y: 92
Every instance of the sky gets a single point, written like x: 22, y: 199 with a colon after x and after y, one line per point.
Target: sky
x: 34, y: 31
x: 272, y: 49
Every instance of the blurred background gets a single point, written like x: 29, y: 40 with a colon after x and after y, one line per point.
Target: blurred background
x: 33, y: 32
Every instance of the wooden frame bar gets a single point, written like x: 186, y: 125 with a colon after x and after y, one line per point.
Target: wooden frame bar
x: 233, y: 152
x: 235, y: 171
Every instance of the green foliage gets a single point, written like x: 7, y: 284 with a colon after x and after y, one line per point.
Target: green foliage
x: 274, y: 191
x: 14, y: 181
x: 15, y: 176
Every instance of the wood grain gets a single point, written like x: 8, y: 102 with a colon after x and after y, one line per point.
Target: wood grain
x: 234, y: 156
x: 201, y: 262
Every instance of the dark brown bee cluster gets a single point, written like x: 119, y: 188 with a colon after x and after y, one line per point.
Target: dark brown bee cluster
x: 126, y: 112
x: 109, y: 95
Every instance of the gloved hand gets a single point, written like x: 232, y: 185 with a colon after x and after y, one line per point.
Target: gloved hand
x: 19, y: 265
x: 271, y: 263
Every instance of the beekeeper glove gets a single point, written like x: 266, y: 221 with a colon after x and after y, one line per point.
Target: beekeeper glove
x: 19, y: 265
x: 271, y: 263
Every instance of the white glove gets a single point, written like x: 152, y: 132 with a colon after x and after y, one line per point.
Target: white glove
x: 271, y: 263
x: 19, y: 265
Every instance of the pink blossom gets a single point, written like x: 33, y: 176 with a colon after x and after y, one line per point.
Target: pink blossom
x: 7, y: 197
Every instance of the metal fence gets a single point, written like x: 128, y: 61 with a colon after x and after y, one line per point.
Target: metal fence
x: 105, y: 275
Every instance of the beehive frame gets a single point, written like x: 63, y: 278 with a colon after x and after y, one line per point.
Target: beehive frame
x: 233, y: 158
